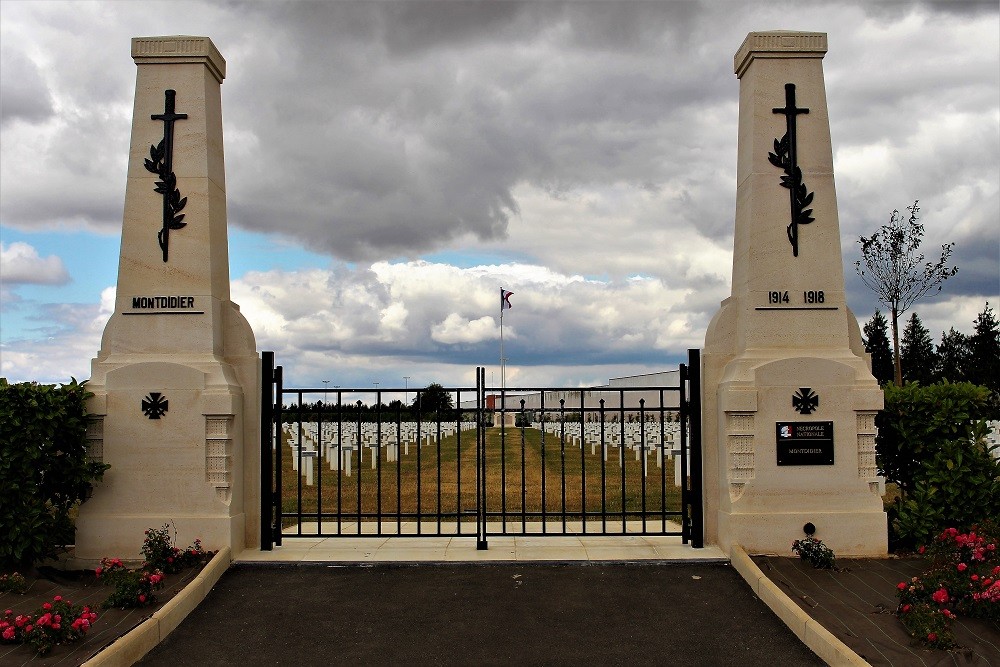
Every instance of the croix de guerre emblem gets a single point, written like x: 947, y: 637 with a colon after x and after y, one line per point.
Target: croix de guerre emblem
x: 154, y: 405
x: 805, y: 400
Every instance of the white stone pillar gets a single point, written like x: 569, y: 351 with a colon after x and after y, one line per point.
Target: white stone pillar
x: 176, y: 382
x: 785, y: 338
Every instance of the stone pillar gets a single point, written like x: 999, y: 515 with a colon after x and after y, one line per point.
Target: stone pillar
x: 785, y: 371
x: 176, y: 382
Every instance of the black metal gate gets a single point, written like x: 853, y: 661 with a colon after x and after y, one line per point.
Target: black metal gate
x: 478, y: 461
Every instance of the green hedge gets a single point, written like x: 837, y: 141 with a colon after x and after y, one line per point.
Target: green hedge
x: 931, y: 443
x: 44, y: 470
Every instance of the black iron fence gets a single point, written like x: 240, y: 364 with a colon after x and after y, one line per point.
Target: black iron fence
x: 479, y: 461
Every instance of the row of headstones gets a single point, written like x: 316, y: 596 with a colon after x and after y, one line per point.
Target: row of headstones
x: 339, y: 441
x: 641, y: 438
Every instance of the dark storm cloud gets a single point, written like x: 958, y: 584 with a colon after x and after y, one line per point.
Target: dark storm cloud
x: 402, y: 126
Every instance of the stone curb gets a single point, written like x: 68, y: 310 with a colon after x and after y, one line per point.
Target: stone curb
x: 130, y: 648
x: 815, y: 636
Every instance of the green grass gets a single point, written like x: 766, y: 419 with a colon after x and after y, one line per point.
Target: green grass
x: 572, y: 480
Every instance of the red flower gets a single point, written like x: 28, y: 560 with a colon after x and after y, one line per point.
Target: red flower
x: 921, y: 550
x: 932, y: 636
x: 142, y: 597
x: 962, y: 567
x: 906, y: 608
x: 901, y: 585
x: 940, y: 596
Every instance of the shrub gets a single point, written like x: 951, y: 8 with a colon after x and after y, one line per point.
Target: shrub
x: 13, y: 583
x: 931, y: 443
x: 44, y: 470
x: 160, y: 553
x: 136, y: 588
x: 133, y: 588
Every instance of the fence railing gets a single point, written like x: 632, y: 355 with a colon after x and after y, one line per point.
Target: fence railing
x: 479, y: 461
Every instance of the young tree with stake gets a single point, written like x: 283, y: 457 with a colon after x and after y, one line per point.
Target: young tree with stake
x: 893, y: 267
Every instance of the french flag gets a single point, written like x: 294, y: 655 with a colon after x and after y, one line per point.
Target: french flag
x: 505, y: 299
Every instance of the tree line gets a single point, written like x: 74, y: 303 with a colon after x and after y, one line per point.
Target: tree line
x: 957, y: 357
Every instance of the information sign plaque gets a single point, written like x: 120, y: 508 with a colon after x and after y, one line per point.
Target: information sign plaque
x: 804, y: 443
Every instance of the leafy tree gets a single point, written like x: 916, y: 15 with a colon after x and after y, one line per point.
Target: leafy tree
x: 918, y: 356
x: 433, y: 400
x: 984, y: 351
x: 877, y: 345
x: 893, y: 267
x: 953, y: 356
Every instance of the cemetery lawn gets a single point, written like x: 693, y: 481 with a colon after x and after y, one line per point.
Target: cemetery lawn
x: 440, y: 478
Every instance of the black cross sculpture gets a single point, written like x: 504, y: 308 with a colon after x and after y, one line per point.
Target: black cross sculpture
x: 785, y: 156
x: 160, y: 162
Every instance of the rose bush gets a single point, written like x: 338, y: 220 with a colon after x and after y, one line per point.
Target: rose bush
x: 964, y: 578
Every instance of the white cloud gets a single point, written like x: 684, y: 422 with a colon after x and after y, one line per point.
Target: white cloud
x: 20, y: 263
x: 457, y: 329
x: 580, y: 154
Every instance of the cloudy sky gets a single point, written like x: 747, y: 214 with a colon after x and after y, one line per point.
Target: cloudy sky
x: 391, y: 165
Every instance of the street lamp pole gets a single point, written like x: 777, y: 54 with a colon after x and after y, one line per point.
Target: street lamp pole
x: 326, y: 386
x: 406, y: 388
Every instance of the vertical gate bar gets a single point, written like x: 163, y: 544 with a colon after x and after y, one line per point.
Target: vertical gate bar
x: 266, y: 450
x: 279, y: 492
x: 604, y: 481
x: 399, y: 470
x: 340, y: 463
x: 503, y: 455
x: 642, y: 453
x: 458, y: 458
x: 685, y: 493
x: 298, y: 453
x: 543, y: 422
x: 583, y: 468
x: 481, y: 516
x: 420, y: 442
x: 438, y: 445
x: 360, y: 467
x: 663, y: 468
x: 318, y: 468
x: 524, y: 482
x: 697, y: 519
x: 621, y: 451
x: 562, y: 460
x: 378, y: 461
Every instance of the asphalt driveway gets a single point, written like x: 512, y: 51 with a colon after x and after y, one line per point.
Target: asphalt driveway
x: 597, y: 613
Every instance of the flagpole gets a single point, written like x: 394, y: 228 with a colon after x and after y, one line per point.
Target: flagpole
x: 503, y: 365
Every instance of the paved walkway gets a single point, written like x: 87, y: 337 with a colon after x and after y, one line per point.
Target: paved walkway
x: 463, y: 549
x: 527, y: 600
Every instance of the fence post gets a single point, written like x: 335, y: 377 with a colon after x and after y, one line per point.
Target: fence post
x: 697, y: 515
x: 481, y: 543
x: 266, y: 455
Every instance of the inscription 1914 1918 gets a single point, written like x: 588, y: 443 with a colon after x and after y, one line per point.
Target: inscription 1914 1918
x: 804, y: 443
